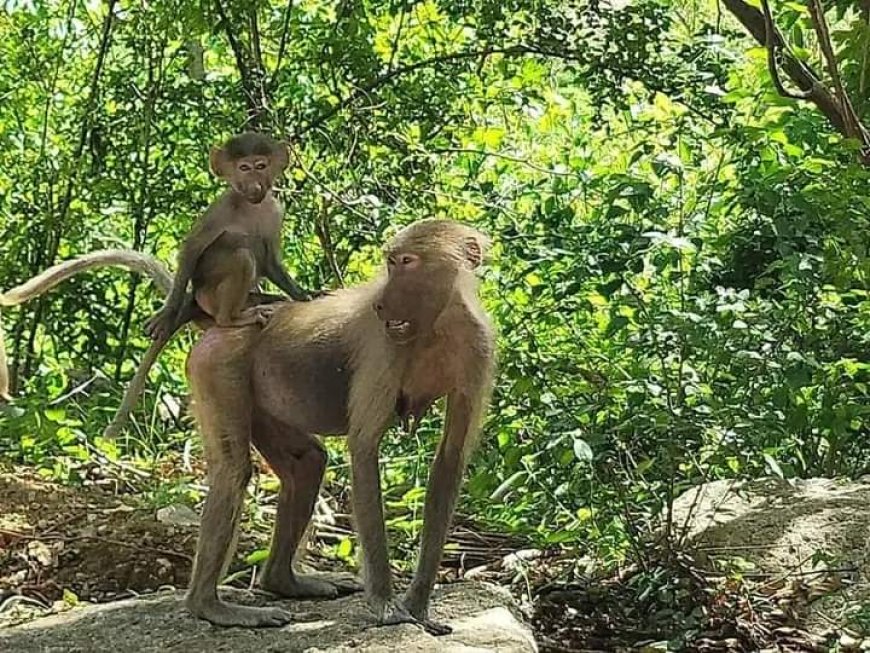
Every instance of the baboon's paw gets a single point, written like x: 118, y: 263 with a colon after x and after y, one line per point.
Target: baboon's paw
x: 310, y: 587
x: 226, y: 614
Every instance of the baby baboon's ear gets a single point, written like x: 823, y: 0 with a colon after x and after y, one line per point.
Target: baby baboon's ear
x: 475, y: 251
x: 219, y: 161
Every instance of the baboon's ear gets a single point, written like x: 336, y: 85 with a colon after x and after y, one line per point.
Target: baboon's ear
x: 474, y: 251
x: 281, y: 157
x: 219, y: 162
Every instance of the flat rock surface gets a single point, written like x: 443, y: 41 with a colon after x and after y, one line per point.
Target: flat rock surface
x: 780, y: 526
x: 483, y: 618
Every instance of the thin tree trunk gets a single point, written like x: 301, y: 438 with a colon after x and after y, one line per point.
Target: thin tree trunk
x: 140, y: 227
x: 57, y: 219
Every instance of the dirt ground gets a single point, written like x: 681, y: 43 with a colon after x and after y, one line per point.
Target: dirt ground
x: 86, y: 540
x: 102, y: 541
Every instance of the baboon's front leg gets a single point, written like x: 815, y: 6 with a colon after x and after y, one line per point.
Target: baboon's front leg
x: 368, y: 510
x: 445, y: 479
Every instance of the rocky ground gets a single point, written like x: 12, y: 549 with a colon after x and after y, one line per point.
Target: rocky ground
x: 481, y: 616
x: 763, y: 566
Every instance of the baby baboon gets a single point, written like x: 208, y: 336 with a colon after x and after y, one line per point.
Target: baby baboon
x: 235, y: 243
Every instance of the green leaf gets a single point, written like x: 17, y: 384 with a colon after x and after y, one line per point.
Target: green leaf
x: 582, y: 450
x: 70, y: 597
x: 345, y: 548
x: 256, y: 557
x: 773, y: 465
x: 56, y: 415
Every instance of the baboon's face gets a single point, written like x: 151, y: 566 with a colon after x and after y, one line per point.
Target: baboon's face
x: 252, y: 166
x: 418, y: 288
x: 252, y: 177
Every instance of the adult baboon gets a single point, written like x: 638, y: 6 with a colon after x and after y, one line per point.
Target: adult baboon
x: 346, y: 364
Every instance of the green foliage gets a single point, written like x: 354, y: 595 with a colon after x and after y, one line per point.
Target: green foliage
x: 680, y: 267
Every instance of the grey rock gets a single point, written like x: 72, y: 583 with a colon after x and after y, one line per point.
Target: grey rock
x: 484, y: 618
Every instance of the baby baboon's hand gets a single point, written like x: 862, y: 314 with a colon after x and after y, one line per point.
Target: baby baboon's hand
x: 264, y: 313
x: 160, y: 325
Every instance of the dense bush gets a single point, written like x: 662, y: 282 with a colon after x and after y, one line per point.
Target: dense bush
x: 680, y: 270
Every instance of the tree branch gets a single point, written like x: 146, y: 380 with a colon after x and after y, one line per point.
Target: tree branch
x: 800, y: 73
x: 255, y: 39
x: 324, y: 234
x: 395, y: 73
x: 865, y: 56
x: 253, y: 99
x: 235, y: 44
x: 56, y: 220
x: 775, y: 46
x: 854, y: 128
x: 395, y: 49
x: 282, y: 46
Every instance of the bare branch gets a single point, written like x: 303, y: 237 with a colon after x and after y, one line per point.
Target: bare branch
x: 282, y: 46
x: 235, y: 44
x: 865, y: 56
x: 775, y: 46
x: 250, y: 78
x: 255, y: 38
x: 854, y: 128
x: 324, y: 234
x: 55, y: 222
x: 798, y: 71
x: 395, y: 49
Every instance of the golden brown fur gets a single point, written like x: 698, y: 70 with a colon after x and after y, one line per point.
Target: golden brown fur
x: 343, y: 365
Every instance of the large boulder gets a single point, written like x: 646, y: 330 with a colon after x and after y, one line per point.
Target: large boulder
x: 483, y: 617
x: 780, y: 526
x: 804, y: 542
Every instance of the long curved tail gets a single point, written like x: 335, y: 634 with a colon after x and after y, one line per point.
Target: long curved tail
x: 48, y: 279
x: 124, y: 258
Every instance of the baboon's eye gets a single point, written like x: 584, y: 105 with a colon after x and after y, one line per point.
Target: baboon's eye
x: 245, y: 167
x: 261, y: 165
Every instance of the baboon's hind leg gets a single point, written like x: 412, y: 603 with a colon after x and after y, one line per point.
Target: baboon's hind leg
x: 218, y: 373
x: 299, y: 460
